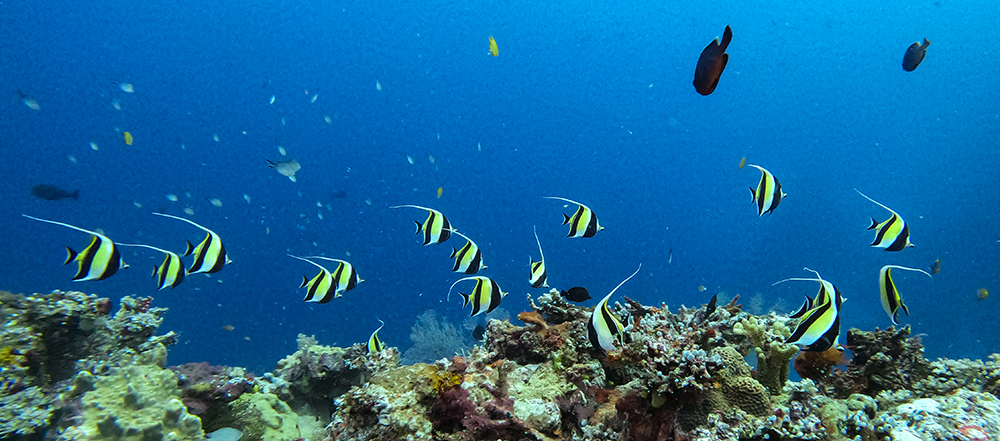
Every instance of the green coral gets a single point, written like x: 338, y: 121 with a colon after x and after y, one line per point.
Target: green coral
x: 264, y: 417
x: 767, y: 335
x: 736, y: 387
x: 134, y: 402
x: 24, y: 412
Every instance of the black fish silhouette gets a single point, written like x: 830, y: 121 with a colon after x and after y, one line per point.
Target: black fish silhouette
x: 576, y: 294
x: 914, y: 55
x: 53, y: 193
x: 711, y: 63
x: 710, y: 307
x: 479, y: 333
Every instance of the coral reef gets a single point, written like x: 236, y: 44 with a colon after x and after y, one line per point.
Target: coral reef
x: 680, y: 375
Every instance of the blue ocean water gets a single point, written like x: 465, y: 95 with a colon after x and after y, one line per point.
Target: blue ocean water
x: 591, y: 101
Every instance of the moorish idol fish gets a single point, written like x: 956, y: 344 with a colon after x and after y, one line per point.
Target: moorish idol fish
x: 485, y: 296
x: 209, y: 255
x: 711, y: 63
x: 604, y: 329
x: 469, y: 258
x: 821, y: 297
x: 494, y: 51
x: 322, y: 288
x: 345, y: 276
x: 436, y: 228
x: 819, y: 329
x: 914, y: 55
x: 538, y: 276
x: 583, y: 223
x: 893, y: 234
x: 891, y: 301
x: 170, y: 273
x: 98, y: 261
x: 768, y: 194
x: 374, y: 344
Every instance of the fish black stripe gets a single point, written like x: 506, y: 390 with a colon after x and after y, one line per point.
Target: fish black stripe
x: 86, y: 258
x: 591, y: 226
x: 353, y: 282
x: 112, y: 265
x: 574, y: 224
x: 900, y: 242
x: 494, y: 296
x: 592, y: 336
x: 609, y: 322
x: 220, y: 259
x: 477, y: 297
x: 808, y: 322
x: 199, y: 258
x: 880, y: 235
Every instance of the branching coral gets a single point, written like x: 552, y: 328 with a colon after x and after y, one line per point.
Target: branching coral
x: 767, y: 335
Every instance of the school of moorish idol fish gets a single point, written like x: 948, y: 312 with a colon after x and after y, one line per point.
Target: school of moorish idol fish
x: 818, y: 328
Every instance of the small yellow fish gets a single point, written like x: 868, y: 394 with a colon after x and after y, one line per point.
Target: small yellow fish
x: 128, y: 138
x: 440, y: 190
x: 982, y: 293
x: 743, y: 162
x: 494, y: 51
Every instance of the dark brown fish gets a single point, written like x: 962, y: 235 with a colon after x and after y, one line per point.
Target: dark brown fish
x: 711, y: 63
x: 710, y: 308
x: 914, y: 55
x: 53, y: 193
x: 576, y: 294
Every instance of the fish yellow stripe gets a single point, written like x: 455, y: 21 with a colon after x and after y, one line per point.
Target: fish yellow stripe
x: 345, y: 276
x: 819, y: 329
x: 468, y: 259
x: 891, y: 300
x: 768, y: 194
x: 583, y: 223
x: 485, y: 297
x: 435, y: 229
x: 538, y: 276
x: 209, y: 255
x: 603, y: 329
x: 321, y: 287
x: 98, y: 261
x: 168, y: 274
x: 374, y: 344
x: 893, y: 234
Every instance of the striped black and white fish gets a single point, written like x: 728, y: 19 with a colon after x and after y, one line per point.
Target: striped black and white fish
x: 893, y: 234
x: 345, y: 276
x: 435, y: 229
x: 168, y: 274
x: 891, y: 301
x: 322, y: 287
x: 538, y: 276
x: 100, y: 260
x: 819, y: 328
x: 485, y: 296
x: 603, y: 329
x: 469, y: 258
x: 768, y: 194
x: 374, y: 344
x: 583, y: 223
x: 209, y: 255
